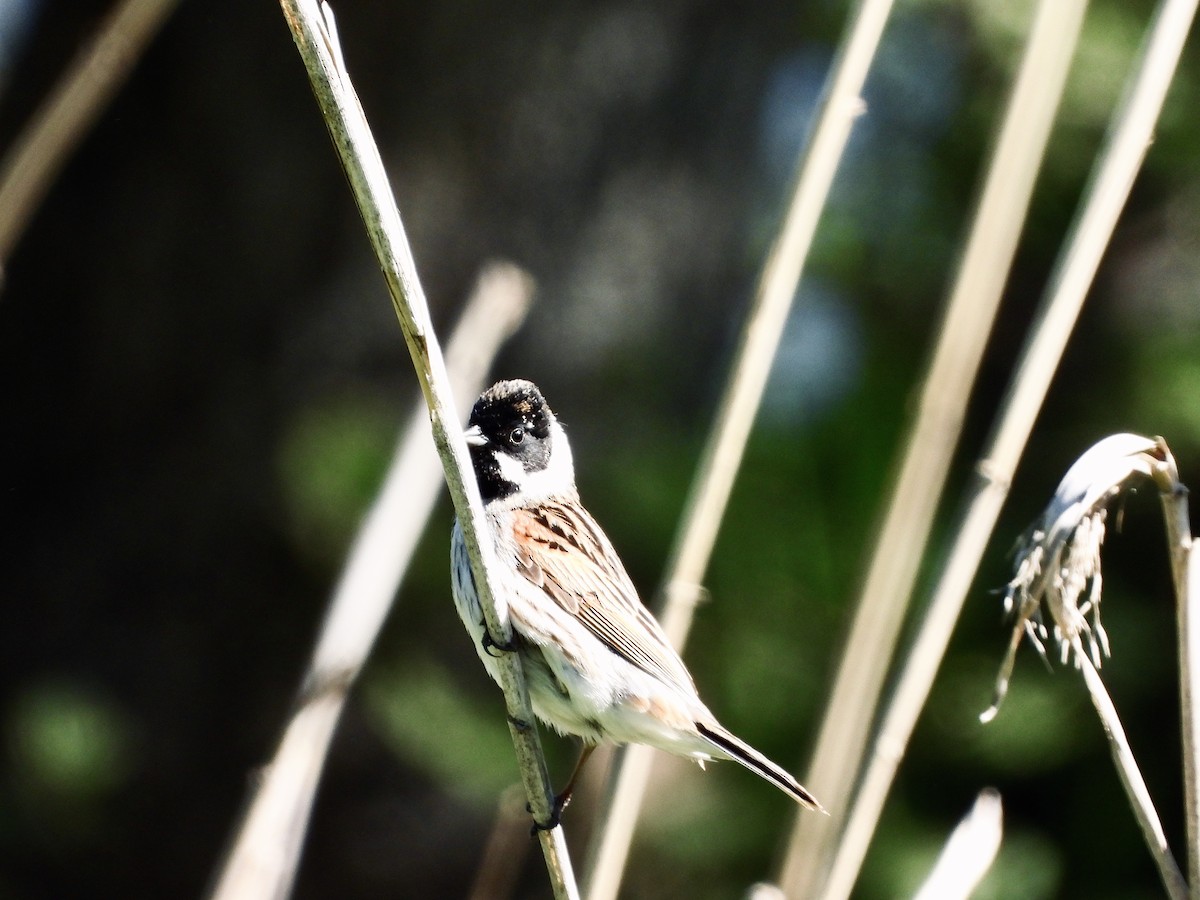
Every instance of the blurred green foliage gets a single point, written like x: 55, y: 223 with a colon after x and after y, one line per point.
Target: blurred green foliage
x: 69, y: 747
x: 331, y: 461
x: 432, y: 724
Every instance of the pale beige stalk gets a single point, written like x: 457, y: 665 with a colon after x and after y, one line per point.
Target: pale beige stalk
x: 1186, y: 578
x: 265, y: 852
x: 867, y: 655
x: 1129, y: 135
x: 727, y: 440
x: 94, y: 76
x: 316, y: 39
x: 1132, y: 781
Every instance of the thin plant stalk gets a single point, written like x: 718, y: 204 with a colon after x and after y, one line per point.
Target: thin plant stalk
x: 316, y: 39
x: 1132, y: 781
x: 971, y: 311
x: 506, y: 849
x: 1057, y: 566
x: 1186, y: 580
x: 266, y: 851
x: 727, y: 440
x: 1120, y: 158
x: 394, y: 526
x: 1188, y: 576
x: 94, y: 76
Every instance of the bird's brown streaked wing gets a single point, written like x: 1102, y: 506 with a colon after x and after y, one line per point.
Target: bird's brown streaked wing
x: 563, y: 552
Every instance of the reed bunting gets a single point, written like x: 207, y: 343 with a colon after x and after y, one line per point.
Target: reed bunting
x: 597, y: 664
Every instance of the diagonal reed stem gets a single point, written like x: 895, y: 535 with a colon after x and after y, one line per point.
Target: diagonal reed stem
x: 97, y: 72
x: 1112, y: 177
x: 1002, y: 206
x: 266, y: 851
x: 739, y: 406
x: 316, y: 39
x: 1131, y: 780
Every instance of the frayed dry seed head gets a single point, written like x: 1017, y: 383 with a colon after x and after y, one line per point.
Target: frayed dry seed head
x: 1058, y: 563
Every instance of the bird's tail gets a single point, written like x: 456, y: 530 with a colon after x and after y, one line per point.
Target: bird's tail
x: 740, y: 751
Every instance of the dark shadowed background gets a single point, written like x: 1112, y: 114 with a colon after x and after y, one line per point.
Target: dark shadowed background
x: 201, y: 378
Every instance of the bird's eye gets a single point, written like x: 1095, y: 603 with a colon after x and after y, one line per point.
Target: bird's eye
x: 516, y: 436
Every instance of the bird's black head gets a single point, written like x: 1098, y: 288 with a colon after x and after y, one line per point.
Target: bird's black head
x: 517, y: 445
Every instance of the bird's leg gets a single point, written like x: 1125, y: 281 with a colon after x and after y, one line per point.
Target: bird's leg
x: 487, y: 642
x: 564, y: 796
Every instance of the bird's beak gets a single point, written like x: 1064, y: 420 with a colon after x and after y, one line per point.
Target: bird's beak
x: 475, y: 437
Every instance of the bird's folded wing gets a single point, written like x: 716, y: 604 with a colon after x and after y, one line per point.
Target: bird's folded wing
x: 561, y: 550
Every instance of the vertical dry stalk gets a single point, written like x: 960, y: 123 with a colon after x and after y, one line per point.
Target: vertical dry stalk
x: 316, y: 39
x: 506, y: 849
x: 1129, y: 135
x: 739, y: 406
x: 1186, y: 578
x: 1002, y: 207
x: 263, y: 859
x: 35, y: 158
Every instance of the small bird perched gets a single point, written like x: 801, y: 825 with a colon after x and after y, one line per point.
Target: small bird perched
x: 597, y: 663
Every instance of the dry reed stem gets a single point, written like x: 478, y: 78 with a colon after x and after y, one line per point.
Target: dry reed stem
x: 1129, y: 134
x: 37, y: 155
x: 1058, y: 569
x: 727, y: 439
x: 1132, y: 781
x: 1002, y: 206
x: 266, y: 850
x: 316, y: 39
x: 506, y: 849
x: 1186, y: 580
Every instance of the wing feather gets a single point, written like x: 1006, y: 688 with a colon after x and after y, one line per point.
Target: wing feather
x: 562, y: 550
